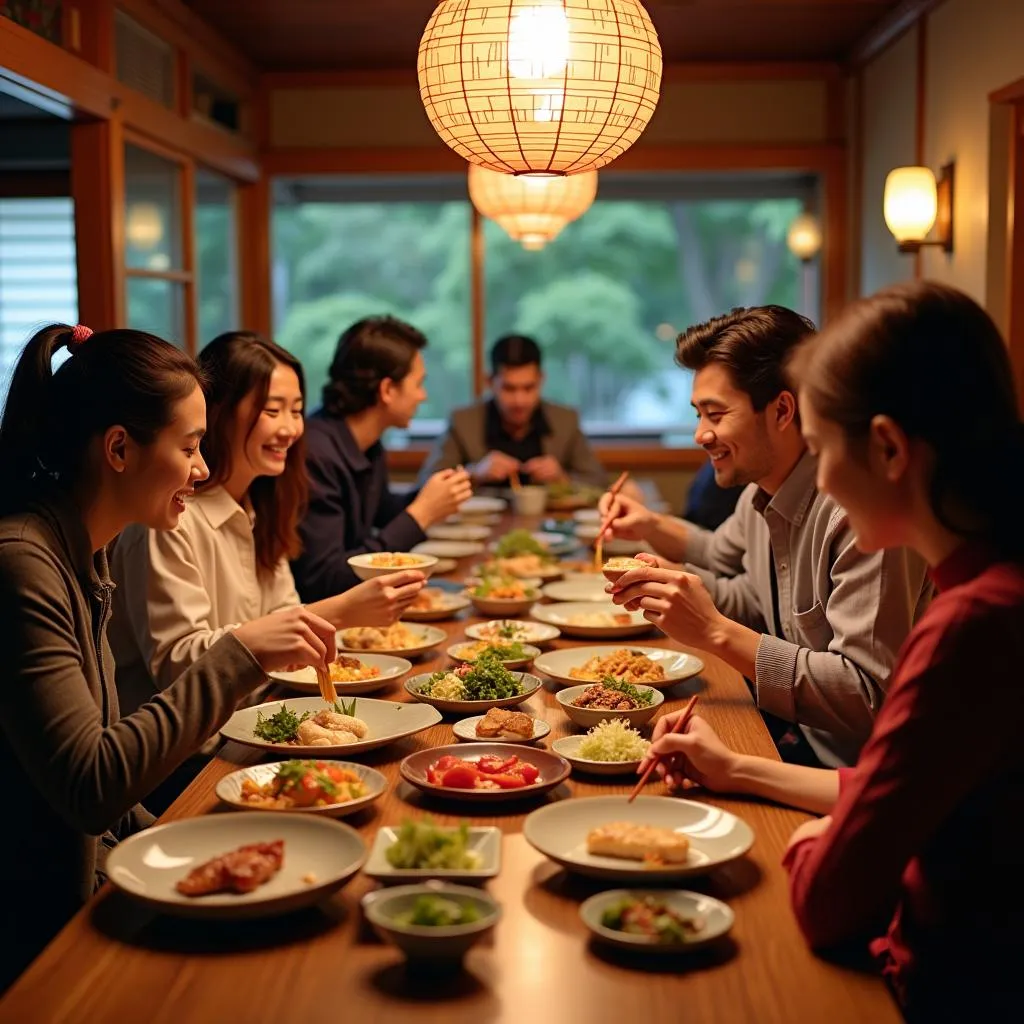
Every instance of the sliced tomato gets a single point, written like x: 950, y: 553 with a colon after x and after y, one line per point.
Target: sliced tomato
x: 492, y: 764
x: 528, y: 772
x: 434, y: 776
x: 446, y: 762
x: 460, y: 776
x: 508, y: 781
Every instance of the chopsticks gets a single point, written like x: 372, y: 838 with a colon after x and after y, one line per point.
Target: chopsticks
x: 513, y: 479
x: 327, y: 691
x: 599, y: 546
x: 681, y: 723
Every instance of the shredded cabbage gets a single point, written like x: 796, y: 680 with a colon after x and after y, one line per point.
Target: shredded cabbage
x: 613, y: 740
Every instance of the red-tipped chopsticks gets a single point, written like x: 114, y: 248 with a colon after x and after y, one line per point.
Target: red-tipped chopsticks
x: 680, y: 725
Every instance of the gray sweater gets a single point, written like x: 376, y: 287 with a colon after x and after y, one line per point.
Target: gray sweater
x: 74, y: 770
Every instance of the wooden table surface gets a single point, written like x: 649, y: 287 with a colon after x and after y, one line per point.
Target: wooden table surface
x: 117, y: 961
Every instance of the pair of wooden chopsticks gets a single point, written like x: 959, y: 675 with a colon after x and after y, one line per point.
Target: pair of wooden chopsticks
x: 323, y: 678
x: 513, y: 479
x: 680, y: 725
x: 599, y: 546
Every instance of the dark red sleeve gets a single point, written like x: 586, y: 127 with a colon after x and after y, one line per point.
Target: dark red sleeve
x: 845, y: 884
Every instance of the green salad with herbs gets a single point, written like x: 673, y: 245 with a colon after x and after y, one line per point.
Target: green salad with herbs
x: 422, y: 845
x: 438, y: 912
x: 486, y: 679
x: 521, y: 542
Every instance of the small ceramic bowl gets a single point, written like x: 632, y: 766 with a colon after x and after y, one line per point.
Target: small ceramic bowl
x: 424, y: 942
x: 363, y: 565
x: 504, y: 608
x: 589, y: 717
x: 619, y: 566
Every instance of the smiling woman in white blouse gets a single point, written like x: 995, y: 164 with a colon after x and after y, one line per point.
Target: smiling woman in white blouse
x: 180, y: 590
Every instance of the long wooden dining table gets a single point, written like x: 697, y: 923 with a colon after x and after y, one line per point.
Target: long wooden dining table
x: 119, y: 961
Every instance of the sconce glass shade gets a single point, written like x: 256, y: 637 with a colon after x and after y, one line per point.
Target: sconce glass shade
x: 533, y: 209
x: 911, y: 203
x: 804, y: 237
x: 144, y: 225
x: 550, y: 86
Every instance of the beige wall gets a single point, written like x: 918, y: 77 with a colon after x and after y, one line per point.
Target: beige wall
x: 710, y: 111
x: 972, y: 48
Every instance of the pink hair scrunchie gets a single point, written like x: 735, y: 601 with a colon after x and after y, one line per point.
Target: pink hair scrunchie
x: 80, y: 334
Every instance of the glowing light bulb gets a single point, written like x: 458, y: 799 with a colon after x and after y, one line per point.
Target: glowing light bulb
x: 538, y: 43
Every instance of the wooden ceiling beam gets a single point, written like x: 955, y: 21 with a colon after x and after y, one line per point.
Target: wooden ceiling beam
x: 886, y: 31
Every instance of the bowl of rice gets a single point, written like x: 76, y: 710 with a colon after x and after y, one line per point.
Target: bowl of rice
x: 636, y: 705
x: 609, y: 748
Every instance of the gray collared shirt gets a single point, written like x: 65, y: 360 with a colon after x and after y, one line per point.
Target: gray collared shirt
x: 843, y: 613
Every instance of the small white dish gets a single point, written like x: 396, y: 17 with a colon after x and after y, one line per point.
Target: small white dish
x: 559, y: 831
x: 521, y: 629
x: 438, y: 943
x: 482, y: 505
x: 229, y: 789
x: 676, y: 665
x: 717, y: 918
x: 465, y: 729
x: 445, y: 605
x: 320, y: 856
x: 569, y: 748
x: 365, y: 568
x: 586, y: 589
x: 484, y: 841
x: 587, y: 515
x: 500, y: 607
x: 586, y: 534
x: 459, y: 531
x: 587, y: 718
x: 391, y: 668
x: 530, y: 684
x: 592, y: 619
x: 448, y: 548
x: 427, y: 637
x: 458, y: 651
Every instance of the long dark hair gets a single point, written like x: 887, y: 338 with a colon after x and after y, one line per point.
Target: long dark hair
x: 372, y: 350
x: 236, y: 364
x: 119, y: 377
x: 932, y: 359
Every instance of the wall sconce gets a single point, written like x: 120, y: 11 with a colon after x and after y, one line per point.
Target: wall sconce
x: 804, y: 237
x: 915, y: 201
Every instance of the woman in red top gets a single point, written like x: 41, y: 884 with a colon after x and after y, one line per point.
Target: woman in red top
x: 908, y: 401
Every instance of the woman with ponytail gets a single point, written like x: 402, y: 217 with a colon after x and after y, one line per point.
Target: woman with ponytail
x: 907, y: 398
x: 179, y: 591
x: 109, y: 438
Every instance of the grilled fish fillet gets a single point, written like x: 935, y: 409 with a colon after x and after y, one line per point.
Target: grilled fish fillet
x: 341, y: 723
x: 312, y: 735
x: 499, y: 722
x: 627, y: 841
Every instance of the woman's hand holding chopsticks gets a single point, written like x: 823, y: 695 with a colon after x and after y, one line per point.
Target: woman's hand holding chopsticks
x: 696, y: 755
x: 292, y: 636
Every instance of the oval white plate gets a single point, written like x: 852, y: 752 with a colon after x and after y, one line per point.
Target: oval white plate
x: 569, y: 746
x: 562, y: 615
x: 531, y: 684
x: 229, y: 789
x: 448, y: 548
x: 558, y: 664
x: 465, y: 729
x: 529, y: 653
x: 449, y: 605
x: 430, y: 636
x: 150, y: 863
x: 559, y: 831
x: 579, y: 589
x: 304, y: 679
x: 387, y: 721
x: 481, y: 504
x: 456, y: 531
x: 527, y: 632
x: 717, y: 916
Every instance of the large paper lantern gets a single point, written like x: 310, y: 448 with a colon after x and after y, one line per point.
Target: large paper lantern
x: 550, y: 86
x: 532, y: 208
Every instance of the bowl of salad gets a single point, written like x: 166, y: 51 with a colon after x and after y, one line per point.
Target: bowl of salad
x: 432, y: 921
x: 609, y: 748
x: 511, y: 653
x: 656, y: 920
x: 503, y: 596
x: 610, y: 699
x: 419, y: 849
x: 472, y: 689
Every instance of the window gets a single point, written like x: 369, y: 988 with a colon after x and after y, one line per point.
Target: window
x: 153, y: 245
x: 38, y: 277
x: 144, y: 61
x: 216, y: 256
x: 335, y: 262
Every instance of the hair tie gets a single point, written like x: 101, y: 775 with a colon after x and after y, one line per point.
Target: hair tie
x: 80, y: 334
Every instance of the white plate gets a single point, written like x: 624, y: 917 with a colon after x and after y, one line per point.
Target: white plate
x: 482, y: 505
x: 485, y: 841
x: 558, y: 664
x: 445, y: 565
x: 475, y: 519
x: 529, y: 653
x: 450, y: 606
x: 431, y: 636
x: 581, y: 588
x: 465, y: 729
x: 717, y: 917
x: 387, y: 721
x: 527, y: 632
x: 586, y: 534
x: 569, y: 747
x: 448, y: 548
x: 587, y: 515
x: 458, y: 531
x: 148, y: 865
x: 304, y: 679
x: 562, y: 614
x: 531, y: 684
x: 229, y: 789
x: 559, y: 831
